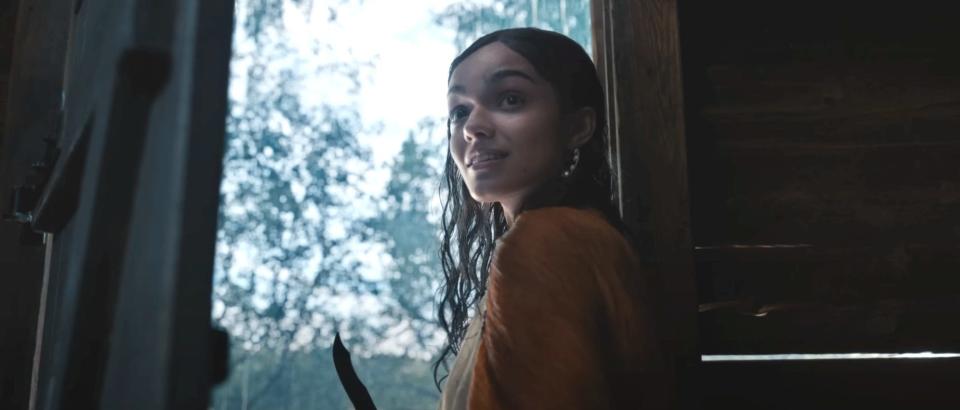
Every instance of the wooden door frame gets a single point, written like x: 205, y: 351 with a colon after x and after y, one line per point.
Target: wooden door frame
x: 636, y: 47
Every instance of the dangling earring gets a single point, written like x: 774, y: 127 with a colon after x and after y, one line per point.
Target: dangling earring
x: 576, y: 160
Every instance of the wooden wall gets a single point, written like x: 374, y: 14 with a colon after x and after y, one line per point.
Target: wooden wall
x: 8, y: 24
x: 824, y: 160
x: 826, y: 140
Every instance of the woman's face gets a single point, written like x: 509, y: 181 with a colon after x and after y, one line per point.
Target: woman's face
x: 506, y: 129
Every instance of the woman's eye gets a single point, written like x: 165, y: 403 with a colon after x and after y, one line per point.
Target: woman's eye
x: 511, y: 101
x: 458, y: 113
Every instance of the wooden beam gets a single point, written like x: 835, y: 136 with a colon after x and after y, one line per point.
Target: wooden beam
x: 887, y: 326
x: 784, y: 273
x: 31, y: 62
x: 831, y: 384
x: 637, y: 51
x: 8, y: 24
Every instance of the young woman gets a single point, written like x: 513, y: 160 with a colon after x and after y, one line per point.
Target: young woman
x: 533, y: 250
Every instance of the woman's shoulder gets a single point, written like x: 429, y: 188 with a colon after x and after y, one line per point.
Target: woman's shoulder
x: 560, y: 224
x: 564, y: 233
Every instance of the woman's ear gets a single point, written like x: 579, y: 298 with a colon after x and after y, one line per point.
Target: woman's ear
x: 584, y: 122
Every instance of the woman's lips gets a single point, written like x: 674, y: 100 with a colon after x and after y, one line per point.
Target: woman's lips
x: 484, y: 154
x: 488, y: 163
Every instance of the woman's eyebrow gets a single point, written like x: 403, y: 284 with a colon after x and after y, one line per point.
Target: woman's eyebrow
x: 497, y: 76
x: 503, y: 73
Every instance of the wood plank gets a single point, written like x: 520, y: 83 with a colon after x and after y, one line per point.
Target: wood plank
x: 887, y: 326
x: 805, y: 299
x: 814, y: 91
x: 649, y: 131
x: 837, y: 275
x: 840, y: 194
x: 757, y: 31
x: 824, y: 149
x: 834, y: 384
x: 640, y: 60
x: 838, y: 129
x: 8, y: 25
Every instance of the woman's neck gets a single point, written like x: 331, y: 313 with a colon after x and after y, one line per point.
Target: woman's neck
x: 547, y: 194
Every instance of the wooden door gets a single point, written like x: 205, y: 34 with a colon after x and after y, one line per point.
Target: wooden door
x: 129, y: 206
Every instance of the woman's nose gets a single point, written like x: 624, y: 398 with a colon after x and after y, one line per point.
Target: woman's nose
x: 478, y: 125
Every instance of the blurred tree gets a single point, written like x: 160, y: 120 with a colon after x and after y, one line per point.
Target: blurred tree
x: 472, y: 18
x: 411, y: 234
x: 283, y: 248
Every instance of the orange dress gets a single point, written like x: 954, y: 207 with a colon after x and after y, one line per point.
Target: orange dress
x: 565, y: 324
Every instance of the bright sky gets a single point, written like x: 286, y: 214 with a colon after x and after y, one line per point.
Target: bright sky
x: 410, y: 55
x: 406, y: 80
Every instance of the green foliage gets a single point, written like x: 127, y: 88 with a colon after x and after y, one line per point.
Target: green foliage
x: 404, y: 225
x: 265, y: 16
x: 283, y: 166
x: 472, y: 19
